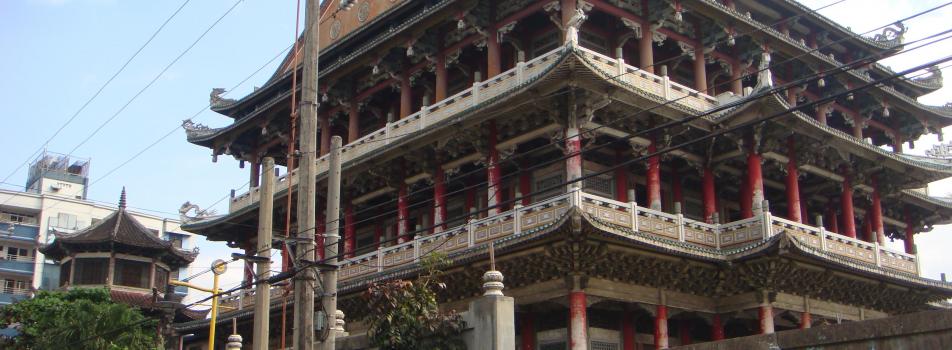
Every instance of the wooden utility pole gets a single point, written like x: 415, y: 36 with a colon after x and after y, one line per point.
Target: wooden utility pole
x: 305, y: 280
x: 262, y: 288
x: 331, y: 236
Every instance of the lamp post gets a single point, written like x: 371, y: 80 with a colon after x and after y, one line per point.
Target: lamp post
x: 218, y: 268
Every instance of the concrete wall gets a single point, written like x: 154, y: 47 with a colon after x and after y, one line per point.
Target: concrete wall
x: 924, y: 330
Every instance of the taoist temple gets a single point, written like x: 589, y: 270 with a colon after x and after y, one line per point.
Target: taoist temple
x: 652, y: 173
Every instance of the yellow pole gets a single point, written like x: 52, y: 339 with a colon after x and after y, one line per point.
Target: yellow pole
x: 211, y: 327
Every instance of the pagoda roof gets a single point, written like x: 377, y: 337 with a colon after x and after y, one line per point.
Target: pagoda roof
x: 119, y: 229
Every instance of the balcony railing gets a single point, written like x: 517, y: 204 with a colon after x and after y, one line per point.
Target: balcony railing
x: 661, y: 87
x: 12, y: 295
x: 643, y: 221
x: 18, y: 231
x: 17, y: 264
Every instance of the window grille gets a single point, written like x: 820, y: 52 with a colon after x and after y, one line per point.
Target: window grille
x: 601, y: 185
x: 132, y: 273
x: 551, y: 180
x: 91, y: 271
x: 603, y: 345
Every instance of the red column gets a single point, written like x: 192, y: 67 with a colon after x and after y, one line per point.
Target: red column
x: 403, y: 213
x: 353, y: 124
x: 821, y: 113
x: 325, y: 134
x: 439, y: 200
x: 754, y: 180
x: 700, y: 71
x: 661, y: 328
x: 910, y: 240
x: 654, y: 177
x: 440, y: 73
x: 349, y: 231
x: 493, y: 66
x: 737, y: 85
x: 876, y: 218
x: 621, y: 178
x: 717, y: 328
x: 676, y: 191
x: 684, y: 332
x: 525, y: 184
x: 746, y: 208
x: 578, y: 324
x: 708, y: 195
x: 645, y: 47
x: 849, y: 226
x: 867, y: 229
x: 766, y: 319
x: 793, y: 185
x: 528, y: 331
x: 806, y: 320
x: 406, y: 95
x: 573, y: 150
x: 627, y: 331
x: 831, y: 218
x: 494, y: 189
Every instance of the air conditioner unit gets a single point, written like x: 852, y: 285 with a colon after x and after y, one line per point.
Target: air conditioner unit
x: 55, y: 187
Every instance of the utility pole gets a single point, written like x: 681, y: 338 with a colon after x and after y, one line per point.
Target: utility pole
x: 305, y: 280
x: 329, y: 299
x: 263, y: 288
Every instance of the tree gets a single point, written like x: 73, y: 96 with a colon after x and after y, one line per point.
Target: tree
x: 405, y: 315
x: 77, y: 319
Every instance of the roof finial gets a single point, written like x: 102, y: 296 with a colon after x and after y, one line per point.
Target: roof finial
x: 122, y: 198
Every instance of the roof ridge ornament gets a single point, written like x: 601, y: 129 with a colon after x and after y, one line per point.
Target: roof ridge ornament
x: 122, y: 198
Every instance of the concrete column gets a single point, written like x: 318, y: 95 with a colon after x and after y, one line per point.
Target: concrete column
x: 708, y: 194
x: 492, y: 317
x: 654, y: 177
x: 528, y: 331
x: 846, y: 201
x: 876, y: 217
x: 661, y: 327
x: 717, y: 328
x: 578, y: 323
x: 493, y: 176
x: 793, y: 183
x: 350, y: 239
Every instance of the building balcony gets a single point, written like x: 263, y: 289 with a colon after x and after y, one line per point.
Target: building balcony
x: 17, y: 264
x: 19, y: 232
x: 12, y: 295
x: 657, y: 87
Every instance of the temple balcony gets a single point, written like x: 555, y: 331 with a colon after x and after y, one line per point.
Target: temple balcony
x: 657, y: 88
x: 18, y: 232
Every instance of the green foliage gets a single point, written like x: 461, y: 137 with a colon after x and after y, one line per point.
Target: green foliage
x: 78, y: 319
x: 405, y: 315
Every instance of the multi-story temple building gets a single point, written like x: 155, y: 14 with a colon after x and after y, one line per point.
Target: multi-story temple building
x: 527, y: 123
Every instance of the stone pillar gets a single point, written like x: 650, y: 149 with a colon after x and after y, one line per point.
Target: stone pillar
x: 846, y: 200
x: 350, y: 239
x: 621, y: 179
x: 661, y: 327
x: 234, y: 342
x: 494, y: 187
x: 406, y: 95
x: 793, y: 185
x: 440, y: 72
x: 709, y: 197
x: 700, y: 71
x: 910, y: 240
x: 876, y: 218
x: 645, y: 46
x: 528, y: 331
x: 765, y: 314
x: 628, y: 333
x: 403, y: 212
x: 353, y: 124
x: 439, y: 200
x: 717, y: 328
x: 653, y: 178
x: 492, y: 317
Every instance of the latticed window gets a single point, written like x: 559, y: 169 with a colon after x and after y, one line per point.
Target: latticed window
x: 601, y: 185
x: 603, y: 345
x: 91, y: 271
x: 550, y: 181
x: 131, y: 273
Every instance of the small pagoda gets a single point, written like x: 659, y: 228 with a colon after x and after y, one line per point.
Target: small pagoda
x: 120, y: 254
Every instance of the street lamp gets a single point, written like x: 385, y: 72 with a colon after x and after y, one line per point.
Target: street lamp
x: 218, y: 268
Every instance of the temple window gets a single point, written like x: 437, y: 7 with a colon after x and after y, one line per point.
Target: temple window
x: 91, y: 271
x: 132, y: 273
x: 549, y: 177
x: 365, y: 241
x: 161, y: 278
x: 65, y: 273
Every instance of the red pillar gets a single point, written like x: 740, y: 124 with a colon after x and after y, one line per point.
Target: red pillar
x: 717, y: 328
x: 645, y: 47
x: 876, y: 217
x: 494, y: 189
x: 700, y: 71
x: 754, y: 180
x: 766, y: 319
x: 578, y: 324
x: 821, y: 113
x: 793, y: 185
x: 806, y: 320
x: 910, y: 240
x: 403, y: 213
x: 627, y: 330
x: 684, y: 332
x: 661, y: 327
x: 573, y: 150
x: 737, y: 85
x: 353, y: 124
x: 621, y: 178
x: 440, y: 73
x: 493, y: 66
x: 849, y: 225
x: 349, y: 231
x: 528, y: 331
x: 654, y: 177
x: 746, y: 208
x: 708, y: 195
x: 439, y: 200
x: 406, y: 95
x: 832, y: 223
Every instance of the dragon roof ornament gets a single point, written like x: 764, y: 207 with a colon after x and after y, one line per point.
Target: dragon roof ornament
x: 892, y: 35
x: 216, y: 101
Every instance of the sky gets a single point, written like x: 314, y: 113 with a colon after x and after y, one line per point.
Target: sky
x: 59, y: 52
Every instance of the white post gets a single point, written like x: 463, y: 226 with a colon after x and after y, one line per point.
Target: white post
x: 879, y: 260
